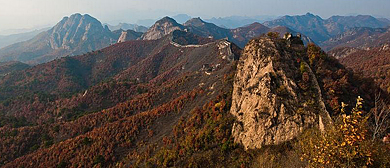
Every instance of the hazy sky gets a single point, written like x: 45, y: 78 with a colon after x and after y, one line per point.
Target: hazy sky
x: 18, y: 14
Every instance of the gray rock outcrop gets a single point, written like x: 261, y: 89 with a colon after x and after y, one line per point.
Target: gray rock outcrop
x: 128, y: 35
x: 161, y: 28
x: 80, y: 30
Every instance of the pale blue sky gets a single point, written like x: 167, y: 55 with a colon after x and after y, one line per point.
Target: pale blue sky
x: 17, y: 14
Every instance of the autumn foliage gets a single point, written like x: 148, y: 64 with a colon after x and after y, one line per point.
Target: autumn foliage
x: 348, y: 144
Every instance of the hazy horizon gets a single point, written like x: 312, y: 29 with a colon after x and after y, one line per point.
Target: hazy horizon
x: 34, y: 14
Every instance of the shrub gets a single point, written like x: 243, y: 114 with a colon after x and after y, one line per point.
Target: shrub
x: 302, y: 67
x: 345, y: 145
x: 99, y: 160
x: 62, y: 164
x: 273, y: 35
x: 86, y: 141
x: 56, y: 128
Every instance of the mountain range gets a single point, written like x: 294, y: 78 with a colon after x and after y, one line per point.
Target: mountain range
x: 239, y: 36
x: 15, y: 38
x: 320, y: 30
x: 194, y: 94
x: 361, y: 37
x: 127, y: 26
x: 80, y: 34
x: 179, y: 100
x: 233, y: 22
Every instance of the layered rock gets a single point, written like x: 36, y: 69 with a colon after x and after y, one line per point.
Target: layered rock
x: 271, y: 97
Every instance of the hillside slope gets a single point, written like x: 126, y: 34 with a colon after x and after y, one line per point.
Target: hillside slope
x: 9, y: 67
x: 15, y: 38
x: 373, y: 63
x: 156, y: 85
x: 166, y: 103
x: 360, y: 38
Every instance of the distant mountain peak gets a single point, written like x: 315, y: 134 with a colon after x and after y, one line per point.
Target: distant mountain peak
x: 181, y: 18
x: 309, y: 14
x: 127, y: 26
x: 75, y: 14
x: 195, y: 22
x: 87, y: 15
x: 161, y: 28
x: 167, y: 19
x: 77, y: 17
x: 75, y: 34
x: 254, y: 24
x: 67, y: 33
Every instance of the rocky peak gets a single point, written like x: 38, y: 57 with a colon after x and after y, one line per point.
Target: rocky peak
x: 197, y: 22
x: 161, y: 28
x: 308, y: 14
x: 271, y: 96
x: 257, y: 24
x: 254, y: 29
x: 167, y: 19
x: 70, y: 31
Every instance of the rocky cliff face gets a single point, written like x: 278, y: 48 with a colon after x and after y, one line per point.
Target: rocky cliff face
x: 72, y: 31
x: 128, y: 35
x: 68, y: 29
x: 276, y: 95
x: 161, y: 28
